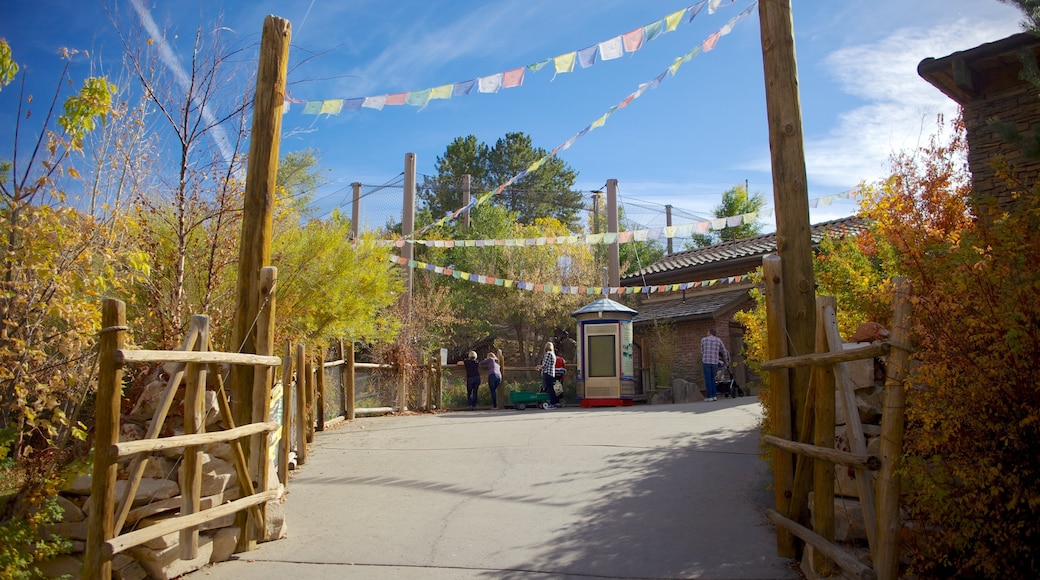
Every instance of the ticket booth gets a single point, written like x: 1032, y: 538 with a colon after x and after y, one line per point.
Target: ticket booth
x: 605, y: 366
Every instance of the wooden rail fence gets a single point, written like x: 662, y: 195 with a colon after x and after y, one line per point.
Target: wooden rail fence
x: 801, y: 466
x: 194, y: 361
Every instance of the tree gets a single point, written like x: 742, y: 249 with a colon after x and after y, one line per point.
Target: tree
x: 735, y: 202
x: 330, y: 287
x: 545, y: 192
x: 1031, y: 10
x: 185, y: 217
x: 55, y: 264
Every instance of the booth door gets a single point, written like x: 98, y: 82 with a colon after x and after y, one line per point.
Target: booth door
x: 603, y: 361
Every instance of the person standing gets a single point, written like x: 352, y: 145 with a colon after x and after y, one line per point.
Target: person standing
x: 548, y: 370
x: 472, y: 378
x: 494, y: 376
x: 712, y: 351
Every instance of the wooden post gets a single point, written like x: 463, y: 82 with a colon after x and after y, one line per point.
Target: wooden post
x: 823, y: 437
x: 301, y: 404
x: 402, y: 389
x: 790, y: 193
x: 263, y: 379
x: 779, y: 398
x: 319, y: 399
x: 258, y: 208
x: 343, y: 379
x: 106, y: 434
x: 892, y: 423
x: 348, y: 365
x: 438, y: 399
x: 194, y: 424
x: 287, y: 415
x: 309, y: 391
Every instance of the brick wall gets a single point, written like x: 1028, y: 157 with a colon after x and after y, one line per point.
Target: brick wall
x: 687, y: 343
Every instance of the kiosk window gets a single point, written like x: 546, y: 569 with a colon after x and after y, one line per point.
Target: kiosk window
x: 602, y: 356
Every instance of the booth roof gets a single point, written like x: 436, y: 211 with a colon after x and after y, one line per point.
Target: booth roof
x: 603, y: 305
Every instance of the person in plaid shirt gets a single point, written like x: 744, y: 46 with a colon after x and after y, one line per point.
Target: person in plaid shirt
x: 712, y: 351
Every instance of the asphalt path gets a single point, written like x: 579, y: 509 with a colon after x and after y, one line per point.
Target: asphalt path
x: 664, y: 491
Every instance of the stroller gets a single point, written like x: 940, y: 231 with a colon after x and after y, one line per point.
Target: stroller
x: 726, y: 383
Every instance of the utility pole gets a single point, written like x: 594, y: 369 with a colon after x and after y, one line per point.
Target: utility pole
x: 408, y: 222
x: 613, y: 256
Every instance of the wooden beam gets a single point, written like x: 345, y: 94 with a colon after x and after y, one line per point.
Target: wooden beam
x: 873, y: 350
x: 843, y: 559
x: 285, y: 445
x: 168, y: 526
x: 780, y: 398
x: 853, y: 429
x: 790, y: 193
x: 886, y: 561
x: 194, y: 424
x: 350, y: 395
x: 180, y: 356
x: 836, y: 456
x: 254, y: 249
x: 127, y: 448
x: 301, y: 404
x: 106, y: 433
x: 319, y: 399
x: 823, y: 438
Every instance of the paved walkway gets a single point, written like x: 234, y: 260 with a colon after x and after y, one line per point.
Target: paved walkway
x: 669, y: 491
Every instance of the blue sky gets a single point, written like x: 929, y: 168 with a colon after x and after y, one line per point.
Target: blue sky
x: 700, y: 132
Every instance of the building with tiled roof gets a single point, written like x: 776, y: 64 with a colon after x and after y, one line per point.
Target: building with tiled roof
x: 668, y: 327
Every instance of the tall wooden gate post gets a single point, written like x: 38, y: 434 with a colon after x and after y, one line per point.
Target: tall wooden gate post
x: 258, y: 209
x: 790, y: 194
x: 106, y: 434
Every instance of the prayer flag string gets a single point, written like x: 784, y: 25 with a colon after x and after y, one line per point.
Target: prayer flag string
x: 610, y: 49
x: 562, y: 288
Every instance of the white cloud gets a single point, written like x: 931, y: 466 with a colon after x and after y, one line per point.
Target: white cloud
x: 899, y: 108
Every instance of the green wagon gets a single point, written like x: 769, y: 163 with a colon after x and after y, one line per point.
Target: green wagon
x: 522, y: 399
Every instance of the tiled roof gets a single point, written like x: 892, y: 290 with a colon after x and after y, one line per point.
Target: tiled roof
x: 748, y: 249
x: 694, y: 306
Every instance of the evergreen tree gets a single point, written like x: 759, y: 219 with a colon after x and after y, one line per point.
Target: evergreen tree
x: 545, y: 192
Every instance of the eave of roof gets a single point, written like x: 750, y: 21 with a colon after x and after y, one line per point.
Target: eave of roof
x: 958, y: 74
x: 748, y: 252
x: 701, y: 306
